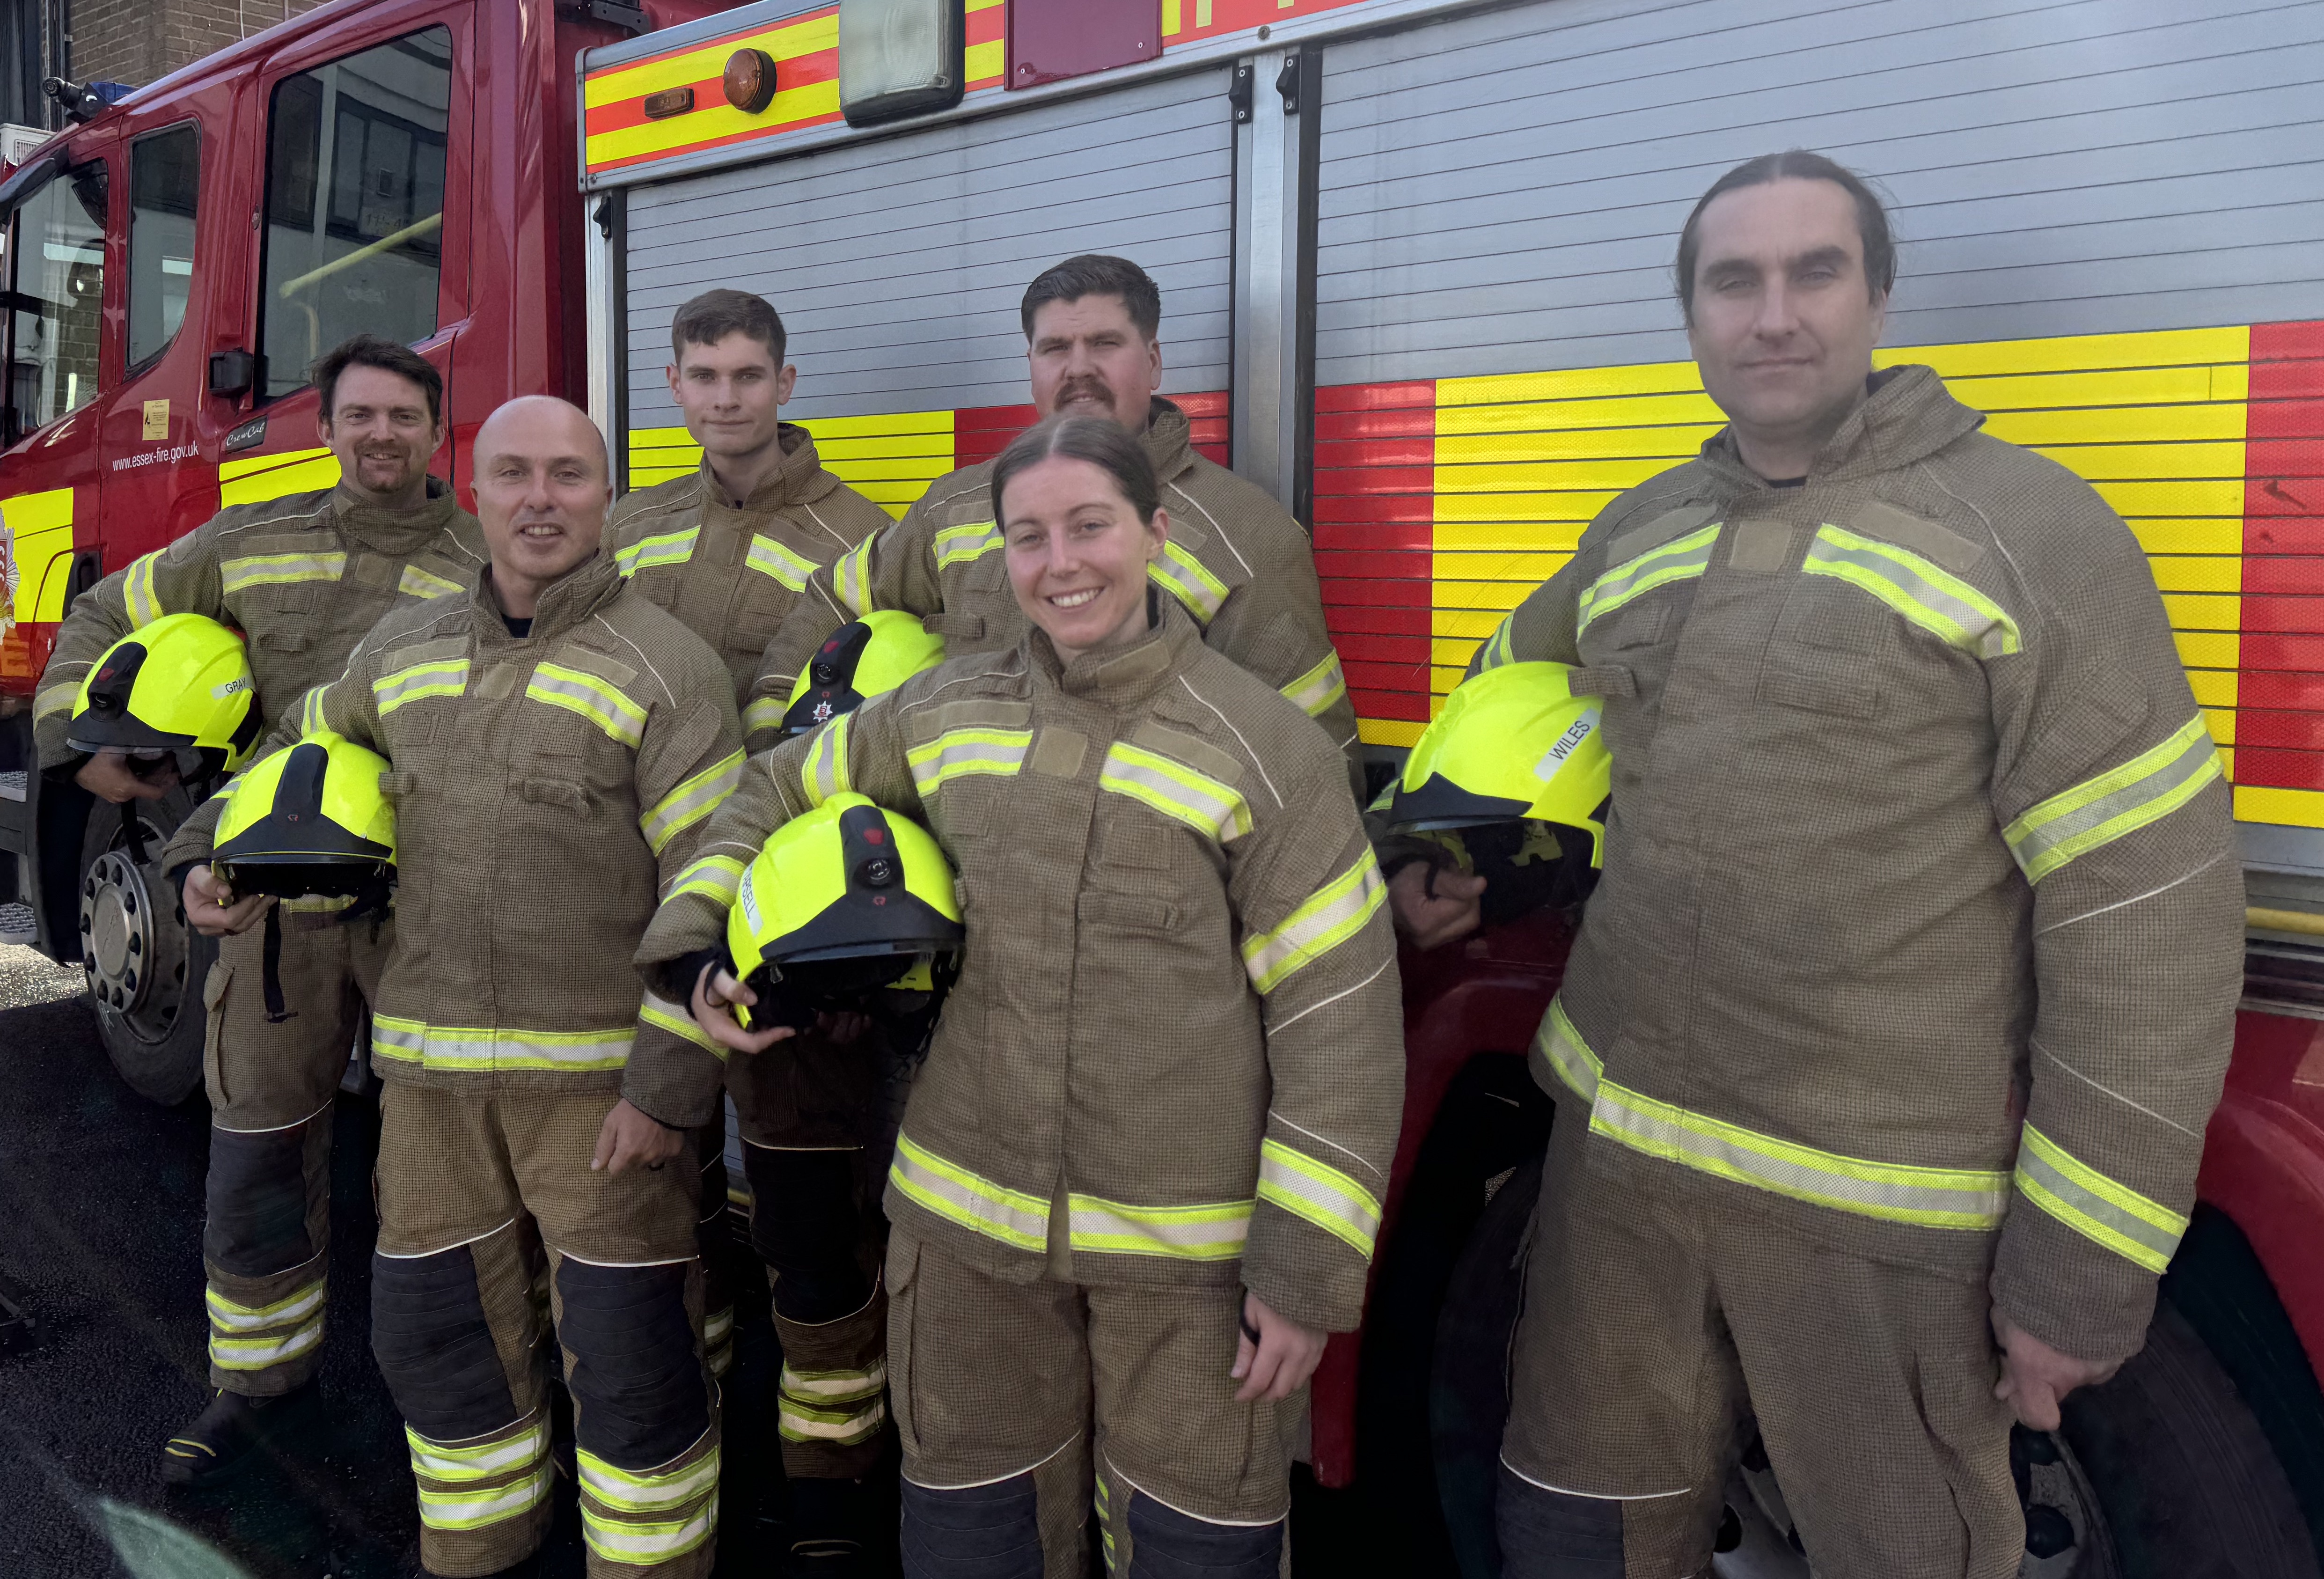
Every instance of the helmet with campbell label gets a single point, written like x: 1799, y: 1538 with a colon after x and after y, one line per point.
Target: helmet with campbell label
x: 1512, y: 743
x: 861, y: 660
x: 837, y: 905
x: 308, y: 820
x: 180, y: 686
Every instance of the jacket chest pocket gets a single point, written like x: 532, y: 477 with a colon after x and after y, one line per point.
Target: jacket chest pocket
x: 755, y: 612
x: 1835, y: 652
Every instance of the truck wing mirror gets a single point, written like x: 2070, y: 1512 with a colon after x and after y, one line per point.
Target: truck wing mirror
x: 233, y: 372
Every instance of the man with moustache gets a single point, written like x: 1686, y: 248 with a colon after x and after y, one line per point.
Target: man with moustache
x: 302, y: 578
x: 1237, y: 560
x: 1885, y: 1053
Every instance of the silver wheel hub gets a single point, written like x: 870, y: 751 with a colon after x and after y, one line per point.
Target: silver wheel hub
x: 118, y: 929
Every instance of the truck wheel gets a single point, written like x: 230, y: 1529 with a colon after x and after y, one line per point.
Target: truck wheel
x: 143, y: 964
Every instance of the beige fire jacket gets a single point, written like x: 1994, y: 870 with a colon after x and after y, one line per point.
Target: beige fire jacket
x: 730, y: 573
x: 302, y: 577
x: 1175, y: 1045
x: 1237, y: 561
x: 545, y: 788
x: 1922, y: 920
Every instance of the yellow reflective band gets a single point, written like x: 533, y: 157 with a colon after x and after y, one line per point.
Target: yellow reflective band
x: 958, y: 753
x: 2095, y: 1206
x: 769, y: 557
x: 691, y: 801
x: 667, y: 1016
x: 952, y: 1191
x: 1938, y: 602
x: 1176, y: 790
x: 851, y: 578
x: 310, y: 709
x: 823, y: 774
x: 965, y: 544
x: 1329, y: 917
x: 717, y: 878
x: 1313, y: 693
x: 144, y: 603
x: 1187, y: 1234
x: 646, y: 1543
x: 57, y: 698
x: 798, y: 1421
x: 1184, y: 577
x: 668, y: 548
x: 597, y: 699
x: 1333, y: 1201
x: 624, y: 1490
x: 766, y: 712
x: 274, y: 569
x: 1932, y: 1197
x: 443, y: 677
x: 835, y: 1386
x: 1499, y: 647
x: 1561, y: 1046
x: 718, y: 1325
x: 2147, y: 787
x: 228, y: 1317
x: 438, y: 1047
x: 1681, y: 560
x: 258, y: 1354
x: 474, y: 1509
x: 417, y: 583
x: 502, y: 1454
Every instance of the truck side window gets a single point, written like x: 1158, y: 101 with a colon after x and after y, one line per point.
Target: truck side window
x: 56, y: 249
x: 354, y: 203
x: 165, y: 172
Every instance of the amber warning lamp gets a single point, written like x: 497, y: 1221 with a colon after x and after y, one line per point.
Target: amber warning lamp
x: 668, y: 102
x: 749, y: 81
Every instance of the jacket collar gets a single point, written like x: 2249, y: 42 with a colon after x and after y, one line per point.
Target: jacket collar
x: 798, y: 479
x: 1124, y: 677
x: 1909, y: 416
x: 395, y: 531
x: 1168, y: 439
x: 567, y: 601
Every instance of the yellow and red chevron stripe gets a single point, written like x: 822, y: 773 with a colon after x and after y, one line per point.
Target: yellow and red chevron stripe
x: 616, y: 132
x: 1186, y: 21
x: 891, y: 459
x: 1440, y: 503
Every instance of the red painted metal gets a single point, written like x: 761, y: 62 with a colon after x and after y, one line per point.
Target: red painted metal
x: 1052, y: 40
x: 2264, y: 1160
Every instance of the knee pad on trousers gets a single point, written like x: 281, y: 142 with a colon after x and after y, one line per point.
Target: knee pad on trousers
x: 256, y: 1200
x: 434, y: 1346
x: 805, y: 1223
x: 634, y: 1375
x: 1166, y: 1543
x: 977, y: 1532
x: 1556, y: 1535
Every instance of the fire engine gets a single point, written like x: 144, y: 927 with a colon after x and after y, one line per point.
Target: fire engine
x: 1414, y: 261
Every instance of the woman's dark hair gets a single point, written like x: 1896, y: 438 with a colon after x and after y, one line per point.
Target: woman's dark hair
x: 1105, y: 445
x: 1797, y: 164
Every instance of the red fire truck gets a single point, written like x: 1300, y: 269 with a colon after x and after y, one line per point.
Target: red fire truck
x: 1414, y: 263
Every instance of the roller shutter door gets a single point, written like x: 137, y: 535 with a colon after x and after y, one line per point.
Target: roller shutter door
x: 2110, y: 211
x: 899, y: 263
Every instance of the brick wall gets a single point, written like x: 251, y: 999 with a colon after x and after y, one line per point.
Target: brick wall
x: 139, y: 41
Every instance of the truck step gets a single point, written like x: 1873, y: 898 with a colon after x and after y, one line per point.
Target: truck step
x: 12, y: 786
x: 17, y: 924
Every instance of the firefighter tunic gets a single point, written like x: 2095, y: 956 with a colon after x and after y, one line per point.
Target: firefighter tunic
x: 302, y: 578
x: 1236, y: 561
x: 1172, y: 1061
x: 1917, y: 948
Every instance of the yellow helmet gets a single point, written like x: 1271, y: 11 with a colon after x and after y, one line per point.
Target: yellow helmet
x: 308, y: 820
x: 862, y: 658
x: 180, y: 686
x: 1512, y: 743
x: 837, y: 904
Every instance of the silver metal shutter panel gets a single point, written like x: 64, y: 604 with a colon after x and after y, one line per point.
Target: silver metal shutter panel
x: 1504, y: 192
x: 898, y: 262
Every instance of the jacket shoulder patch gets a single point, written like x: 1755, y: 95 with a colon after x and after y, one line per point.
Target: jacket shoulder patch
x: 1656, y: 531
x: 583, y: 655
x: 1947, y: 547
x: 970, y: 713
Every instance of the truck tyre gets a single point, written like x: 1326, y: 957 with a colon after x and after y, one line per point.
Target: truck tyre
x: 144, y: 966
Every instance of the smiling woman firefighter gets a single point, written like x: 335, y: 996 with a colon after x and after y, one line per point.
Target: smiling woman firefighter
x: 1144, y: 1160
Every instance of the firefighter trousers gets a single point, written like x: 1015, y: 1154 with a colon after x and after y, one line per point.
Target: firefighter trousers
x: 809, y: 1113
x: 266, y: 1240
x: 493, y: 1227
x: 1022, y: 1404
x: 1660, y: 1310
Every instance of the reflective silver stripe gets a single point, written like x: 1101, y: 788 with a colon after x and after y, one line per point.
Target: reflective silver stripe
x: 1214, y: 1232
x: 446, y: 1510
x: 228, y: 1317
x: 57, y: 698
x: 1313, y: 693
x: 2099, y: 811
x: 440, y: 678
x: 1322, y: 1195
x: 482, y: 1461
x: 969, y: 1199
x: 1930, y: 1196
x: 664, y: 1015
x: 593, y: 696
x: 1561, y: 1045
x: 269, y: 569
x: 691, y: 801
x: 258, y: 1354
x: 143, y: 604
x: 958, y: 753
x: 668, y: 548
x: 1185, y: 579
x: 1326, y: 918
x: 797, y: 1421
x: 1939, y: 603
x: 965, y: 543
x: 631, y: 1491
x: 417, y: 583
x: 447, y: 1047
x: 1680, y: 560
x: 2103, y: 1210
x: 840, y: 1386
x: 769, y: 557
x: 1211, y: 809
